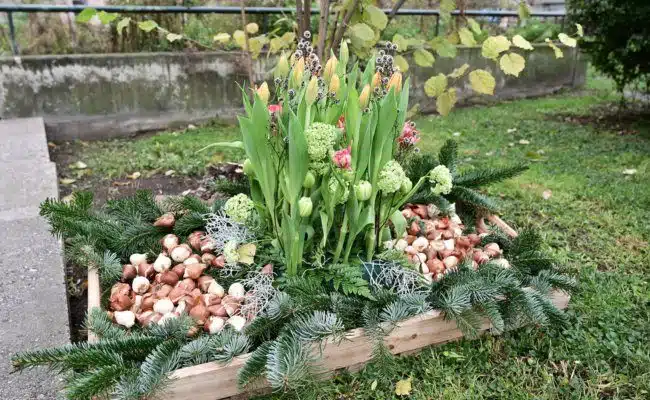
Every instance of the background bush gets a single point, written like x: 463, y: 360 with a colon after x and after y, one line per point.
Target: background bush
x: 617, y: 38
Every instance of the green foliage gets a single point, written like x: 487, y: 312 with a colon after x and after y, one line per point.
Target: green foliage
x: 346, y: 278
x: 617, y: 37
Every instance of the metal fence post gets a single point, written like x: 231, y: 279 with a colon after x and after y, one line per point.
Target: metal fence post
x: 437, y: 24
x: 12, y: 34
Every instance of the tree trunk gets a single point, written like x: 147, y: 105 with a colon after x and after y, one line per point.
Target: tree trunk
x: 322, y: 27
x: 396, y: 8
x: 344, y: 25
x: 306, y: 15
x: 249, y: 59
x: 299, y: 19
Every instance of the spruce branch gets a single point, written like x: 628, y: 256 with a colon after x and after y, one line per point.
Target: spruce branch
x: 97, y: 322
x: 154, y: 371
x: 448, y: 155
x: 96, y: 383
x: 255, y: 366
x: 478, y: 178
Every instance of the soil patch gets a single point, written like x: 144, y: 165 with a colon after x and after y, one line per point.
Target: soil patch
x: 610, y: 117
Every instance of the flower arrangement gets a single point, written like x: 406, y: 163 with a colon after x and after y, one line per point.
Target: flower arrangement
x: 343, y: 224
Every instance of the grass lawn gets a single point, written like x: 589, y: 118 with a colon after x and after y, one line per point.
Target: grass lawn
x: 596, y: 221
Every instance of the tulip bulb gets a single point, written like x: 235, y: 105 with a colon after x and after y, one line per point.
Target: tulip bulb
x: 163, y: 306
x: 193, y: 259
x: 129, y: 272
x: 170, y: 241
x: 237, y: 290
x: 214, y: 325
x: 137, y: 259
x: 237, y: 322
x: 181, y: 253
x: 162, y: 263
x: 195, y: 238
x: 124, y: 318
x: 140, y: 285
x: 215, y: 288
x: 165, y: 221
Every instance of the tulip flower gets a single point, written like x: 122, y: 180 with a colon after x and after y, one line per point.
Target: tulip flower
x: 343, y: 158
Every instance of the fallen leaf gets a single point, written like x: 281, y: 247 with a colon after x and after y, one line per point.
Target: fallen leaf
x: 247, y: 253
x: 489, y: 153
x: 511, y: 144
x: 373, y: 386
x: 134, y: 175
x: 118, y: 183
x: 629, y: 171
x: 51, y: 144
x: 512, y: 130
x: 456, y: 134
x: 68, y: 198
x: 79, y: 165
x: 170, y: 172
x: 403, y: 387
x: 524, y: 141
x: 191, y: 127
x: 547, y: 194
x: 67, y: 181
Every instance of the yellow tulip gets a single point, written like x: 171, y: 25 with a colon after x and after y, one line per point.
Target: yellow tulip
x: 344, y: 53
x: 376, y: 80
x: 335, y: 84
x: 263, y: 92
x: 297, y: 73
x: 330, y: 68
x: 364, y: 98
x: 282, y: 68
x: 395, y: 82
x: 312, y: 91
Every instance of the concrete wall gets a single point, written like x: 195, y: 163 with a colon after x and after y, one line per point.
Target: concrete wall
x: 106, y: 95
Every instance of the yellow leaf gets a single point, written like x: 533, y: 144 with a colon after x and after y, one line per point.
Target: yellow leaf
x: 482, y: 81
x: 474, y: 26
x: 276, y: 45
x: 435, y: 85
x: 288, y: 38
x: 458, y: 72
x: 247, y: 253
x: 401, y: 63
x: 423, y: 58
x: 580, y: 31
x: 522, y: 43
x: 172, y: 37
x: 373, y: 385
x: 558, y: 52
x: 512, y: 64
x: 79, y: 165
x: 403, y: 387
x: 567, y: 40
x: 239, y: 38
x: 466, y: 37
x: 255, y: 46
x: 494, y: 45
x: 134, y: 175
x: 401, y: 42
x: 67, y: 181
x: 443, y: 47
x: 252, y: 28
x: 375, y: 16
x: 446, y: 101
x: 222, y: 38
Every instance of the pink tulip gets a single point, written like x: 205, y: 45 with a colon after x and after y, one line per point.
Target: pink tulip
x: 343, y: 158
x: 275, y: 108
x: 409, y: 136
x: 341, y: 123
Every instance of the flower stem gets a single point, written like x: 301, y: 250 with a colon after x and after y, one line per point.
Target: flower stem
x: 342, y: 234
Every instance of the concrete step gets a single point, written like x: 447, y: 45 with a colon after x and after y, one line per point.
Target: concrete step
x: 23, y: 139
x: 34, y: 306
x: 24, y: 185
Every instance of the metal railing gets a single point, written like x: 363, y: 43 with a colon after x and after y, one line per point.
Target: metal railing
x: 9, y: 9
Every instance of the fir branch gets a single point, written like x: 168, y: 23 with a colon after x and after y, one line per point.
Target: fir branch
x: 287, y: 365
x: 155, y: 369
x: 230, y: 345
x: 316, y: 326
x: 97, y: 322
x: 264, y: 328
x: 173, y: 328
x: 471, y: 198
x: 478, y: 178
x: 142, y: 207
x: 197, y: 351
x: 192, y: 204
x: 448, y: 155
x: 96, y: 383
x: 232, y: 187
x: 188, y: 223
x: 255, y: 366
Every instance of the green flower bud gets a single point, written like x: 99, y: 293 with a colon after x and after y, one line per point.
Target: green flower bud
x: 406, y: 186
x: 344, y: 54
x: 312, y: 91
x: 282, y: 69
x: 363, y: 190
x: 248, y: 167
x: 305, y: 206
x: 309, y: 181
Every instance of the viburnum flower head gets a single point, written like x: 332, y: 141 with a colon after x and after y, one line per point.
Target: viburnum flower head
x: 343, y: 158
x: 409, y: 136
x: 391, y: 177
x: 338, y: 190
x: 230, y: 252
x: 240, y: 208
x: 320, y: 140
x: 441, y: 178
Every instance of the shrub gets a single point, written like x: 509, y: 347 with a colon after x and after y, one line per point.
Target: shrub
x: 617, y: 37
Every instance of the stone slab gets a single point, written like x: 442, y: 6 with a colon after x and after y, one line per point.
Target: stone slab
x: 23, y: 139
x: 25, y: 184
x: 34, y: 305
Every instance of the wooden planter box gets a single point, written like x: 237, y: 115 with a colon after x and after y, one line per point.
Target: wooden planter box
x: 214, y: 381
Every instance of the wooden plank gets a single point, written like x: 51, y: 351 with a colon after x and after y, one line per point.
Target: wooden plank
x: 212, y: 381
x: 507, y: 229
x: 94, y: 296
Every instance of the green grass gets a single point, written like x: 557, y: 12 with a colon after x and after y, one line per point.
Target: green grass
x: 597, y: 223
x: 176, y: 150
